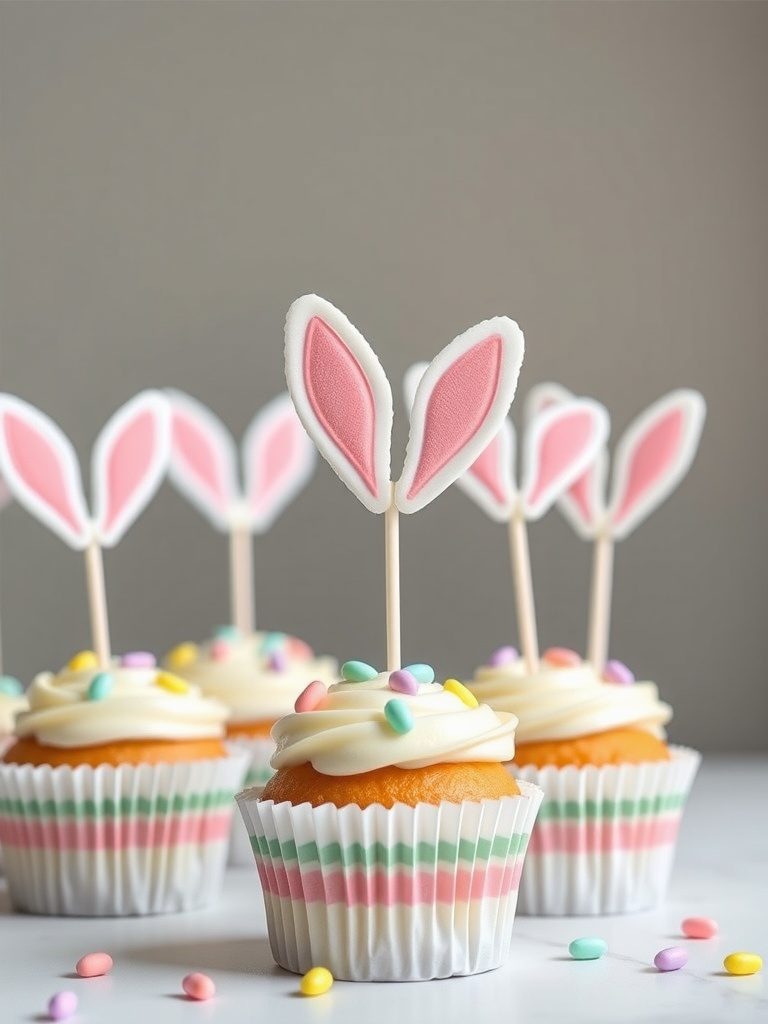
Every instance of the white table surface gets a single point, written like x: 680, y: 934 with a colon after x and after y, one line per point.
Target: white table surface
x: 721, y: 872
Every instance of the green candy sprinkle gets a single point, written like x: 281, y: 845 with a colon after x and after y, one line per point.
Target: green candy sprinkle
x: 227, y: 633
x: 398, y: 714
x: 10, y: 686
x: 422, y: 673
x: 587, y: 948
x: 100, y: 686
x: 272, y: 642
x: 358, y: 672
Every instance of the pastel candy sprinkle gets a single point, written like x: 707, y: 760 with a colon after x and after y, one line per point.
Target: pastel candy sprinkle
x: 82, y: 660
x: 503, y: 656
x: 10, y: 686
x: 617, y: 672
x: 138, y: 659
x: 182, y: 655
x: 229, y: 632
x: 100, y: 686
x: 671, y: 959
x: 220, y: 650
x: 277, y: 661
x: 423, y: 673
x: 93, y: 965
x: 588, y: 947
x: 311, y: 697
x: 198, y: 986
x: 459, y: 690
x: 743, y: 963
x: 398, y: 714
x: 358, y: 672
x: 699, y: 928
x: 62, y: 1005
x: 172, y: 683
x: 272, y: 642
x: 403, y: 681
x: 561, y: 657
x: 316, y: 982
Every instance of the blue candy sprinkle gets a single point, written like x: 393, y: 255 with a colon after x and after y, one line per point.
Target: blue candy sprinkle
x: 423, y: 673
x: 358, y: 672
x: 227, y: 633
x: 100, y: 686
x: 10, y: 686
x: 398, y: 714
x: 272, y: 642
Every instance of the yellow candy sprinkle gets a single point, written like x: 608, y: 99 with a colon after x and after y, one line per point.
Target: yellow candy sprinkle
x: 316, y: 982
x: 182, y: 655
x: 743, y: 963
x: 460, y: 690
x: 83, y: 660
x: 172, y: 683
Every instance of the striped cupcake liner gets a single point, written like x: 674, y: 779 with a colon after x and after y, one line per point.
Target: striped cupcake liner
x: 405, y: 894
x: 605, y: 838
x: 119, y: 841
x: 260, y: 771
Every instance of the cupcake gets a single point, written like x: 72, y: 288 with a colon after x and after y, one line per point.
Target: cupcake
x: 258, y: 677
x: 614, y: 791
x: 390, y: 841
x: 116, y: 798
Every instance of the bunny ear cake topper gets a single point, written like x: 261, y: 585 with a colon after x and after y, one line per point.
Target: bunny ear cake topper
x: 344, y: 400
x: 129, y: 460
x: 277, y: 461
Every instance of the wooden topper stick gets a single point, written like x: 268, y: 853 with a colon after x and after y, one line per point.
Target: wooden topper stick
x: 241, y: 579
x: 97, y: 603
x: 521, y: 574
x: 392, y: 573
x: 600, y: 602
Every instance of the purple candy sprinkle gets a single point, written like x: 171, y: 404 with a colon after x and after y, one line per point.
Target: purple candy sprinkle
x: 138, y: 659
x: 62, y: 1005
x: 503, y: 656
x: 277, y: 661
x: 402, y: 681
x: 617, y: 672
x: 671, y: 959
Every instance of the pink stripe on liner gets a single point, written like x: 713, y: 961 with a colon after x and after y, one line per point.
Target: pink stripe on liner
x: 114, y: 835
x: 383, y: 888
x: 602, y: 836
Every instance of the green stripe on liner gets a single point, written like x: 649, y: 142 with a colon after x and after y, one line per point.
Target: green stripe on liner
x: 379, y: 855
x: 258, y: 776
x: 108, y: 808
x: 571, y: 810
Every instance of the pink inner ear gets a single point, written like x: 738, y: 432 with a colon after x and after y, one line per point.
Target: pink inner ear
x: 650, y: 461
x: 486, y: 468
x: 39, y: 466
x: 559, y: 447
x: 341, y: 398
x: 457, y: 408
x: 580, y: 494
x: 277, y: 456
x: 193, y: 446
x: 127, y: 464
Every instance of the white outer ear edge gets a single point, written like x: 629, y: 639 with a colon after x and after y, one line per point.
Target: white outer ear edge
x: 541, y: 395
x: 467, y: 482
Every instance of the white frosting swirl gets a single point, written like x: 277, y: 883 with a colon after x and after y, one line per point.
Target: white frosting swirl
x: 349, y: 734
x: 10, y: 706
x: 563, y: 703
x: 248, y: 685
x: 136, y: 708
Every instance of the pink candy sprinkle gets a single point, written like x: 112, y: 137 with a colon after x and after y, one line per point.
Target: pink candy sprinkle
x: 138, y: 659
x: 93, y: 965
x: 198, y: 986
x: 220, y: 650
x: 562, y: 657
x: 311, y: 697
x: 503, y: 656
x: 699, y: 928
x: 62, y: 1005
x: 299, y: 650
x: 617, y: 672
x: 402, y: 681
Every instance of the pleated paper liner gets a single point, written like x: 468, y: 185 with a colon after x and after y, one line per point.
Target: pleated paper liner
x: 405, y: 894
x: 109, y: 841
x: 260, y: 750
x: 604, y: 841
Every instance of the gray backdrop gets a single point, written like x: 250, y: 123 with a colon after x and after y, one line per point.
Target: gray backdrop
x: 174, y: 174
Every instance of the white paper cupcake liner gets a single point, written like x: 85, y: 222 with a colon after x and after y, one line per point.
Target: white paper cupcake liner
x: 405, y: 894
x: 260, y: 771
x: 605, y: 838
x: 109, y: 841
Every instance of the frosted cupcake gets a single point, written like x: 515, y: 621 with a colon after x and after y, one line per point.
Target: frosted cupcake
x: 116, y: 798
x: 12, y: 701
x: 390, y: 841
x: 614, y: 790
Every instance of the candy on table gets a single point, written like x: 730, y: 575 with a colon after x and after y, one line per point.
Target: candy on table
x: 311, y: 697
x: 93, y: 965
x: 617, y: 672
x: 62, y: 1005
x: 198, y: 986
x: 671, y: 959
x: 316, y: 982
x: 588, y: 947
x: 561, y: 657
x: 699, y: 928
x: 743, y: 963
